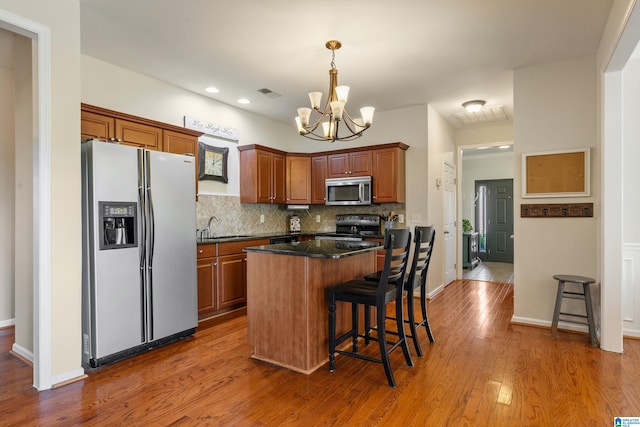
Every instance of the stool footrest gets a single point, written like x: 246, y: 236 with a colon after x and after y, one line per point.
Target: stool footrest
x: 573, y: 295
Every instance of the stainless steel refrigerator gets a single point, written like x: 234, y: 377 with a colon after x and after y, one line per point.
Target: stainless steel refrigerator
x: 139, y: 278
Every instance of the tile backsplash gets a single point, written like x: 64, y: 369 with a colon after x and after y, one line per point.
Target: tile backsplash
x: 244, y: 218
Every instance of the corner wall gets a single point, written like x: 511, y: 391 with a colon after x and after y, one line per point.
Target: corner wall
x: 556, y: 110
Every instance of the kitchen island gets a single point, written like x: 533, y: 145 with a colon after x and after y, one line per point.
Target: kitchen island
x: 286, y: 297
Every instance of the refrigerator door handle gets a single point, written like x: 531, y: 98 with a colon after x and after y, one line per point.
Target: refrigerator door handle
x: 151, y: 239
x: 142, y: 247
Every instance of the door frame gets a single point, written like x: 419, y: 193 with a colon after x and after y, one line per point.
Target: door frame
x: 42, y: 346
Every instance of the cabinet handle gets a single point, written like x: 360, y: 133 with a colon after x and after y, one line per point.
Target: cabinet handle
x: 200, y: 251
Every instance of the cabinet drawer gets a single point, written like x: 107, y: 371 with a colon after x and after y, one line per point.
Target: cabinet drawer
x: 231, y: 248
x: 206, y: 251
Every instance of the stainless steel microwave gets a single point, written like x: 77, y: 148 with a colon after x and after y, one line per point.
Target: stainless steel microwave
x: 349, y: 191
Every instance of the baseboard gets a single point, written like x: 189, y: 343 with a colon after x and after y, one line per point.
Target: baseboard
x: 22, y: 353
x: 68, y: 378
x: 7, y: 323
x: 526, y: 321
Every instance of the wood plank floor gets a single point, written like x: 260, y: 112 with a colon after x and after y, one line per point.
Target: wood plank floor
x: 481, y: 371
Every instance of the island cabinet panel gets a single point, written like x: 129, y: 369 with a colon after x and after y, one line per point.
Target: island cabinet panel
x: 356, y: 163
x: 298, y: 185
x: 287, y: 307
x: 319, y: 173
x: 389, y: 175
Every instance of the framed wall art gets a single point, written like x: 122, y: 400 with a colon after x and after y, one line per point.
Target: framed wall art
x: 212, y: 162
x: 563, y: 173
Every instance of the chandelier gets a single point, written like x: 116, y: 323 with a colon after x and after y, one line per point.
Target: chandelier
x: 333, y: 114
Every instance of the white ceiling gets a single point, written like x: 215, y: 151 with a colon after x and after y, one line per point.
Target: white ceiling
x: 394, y: 53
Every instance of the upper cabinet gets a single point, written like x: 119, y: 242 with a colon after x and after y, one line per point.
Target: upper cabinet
x: 389, y: 174
x: 98, y: 122
x: 268, y: 175
x: 298, y: 184
x: 262, y: 175
x: 319, y: 172
x: 354, y: 163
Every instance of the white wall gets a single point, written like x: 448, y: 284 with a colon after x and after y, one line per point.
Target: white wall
x: 556, y: 109
x: 62, y: 19
x: 441, y: 149
x: 481, y: 167
x: 7, y: 179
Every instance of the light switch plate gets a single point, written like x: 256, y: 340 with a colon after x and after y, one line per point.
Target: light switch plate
x: 317, y: 218
x: 261, y: 219
x: 400, y: 219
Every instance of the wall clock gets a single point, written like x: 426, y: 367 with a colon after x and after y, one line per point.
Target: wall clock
x: 212, y: 162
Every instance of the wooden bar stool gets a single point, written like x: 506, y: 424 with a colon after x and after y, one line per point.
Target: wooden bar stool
x: 585, y: 295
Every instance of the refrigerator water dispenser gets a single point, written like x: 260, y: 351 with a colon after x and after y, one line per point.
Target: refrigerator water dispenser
x: 117, y: 225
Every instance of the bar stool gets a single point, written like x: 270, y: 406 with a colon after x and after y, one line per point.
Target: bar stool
x: 585, y: 295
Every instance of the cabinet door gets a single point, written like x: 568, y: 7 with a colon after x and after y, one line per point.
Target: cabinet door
x: 206, y: 285
x: 263, y: 175
x: 338, y: 165
x: 139, y: 135
x: 232, y: 280
x: 319, y: 173
x: 360, y: 163
x: 94, y: 125
x: 278, y: 186
x: 388, y: 175
x: 298, y: 185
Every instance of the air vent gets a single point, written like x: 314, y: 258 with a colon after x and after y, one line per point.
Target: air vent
x: 486, y: 115
x: 269, y: 93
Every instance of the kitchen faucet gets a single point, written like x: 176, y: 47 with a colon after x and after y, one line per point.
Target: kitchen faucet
x: 209, y: 224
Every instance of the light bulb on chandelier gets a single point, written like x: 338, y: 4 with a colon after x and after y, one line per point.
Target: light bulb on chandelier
x: 334, y: 112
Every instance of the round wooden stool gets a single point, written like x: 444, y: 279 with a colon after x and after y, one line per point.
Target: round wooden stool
x: 585, y: 295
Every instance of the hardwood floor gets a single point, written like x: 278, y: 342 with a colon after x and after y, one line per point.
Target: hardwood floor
x: 481, y: 371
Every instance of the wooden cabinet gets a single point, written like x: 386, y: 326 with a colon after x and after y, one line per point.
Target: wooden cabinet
x: 139, y: 134
x: 319, y: 173
x: 356, y: 163
x: 93, y: 125
x: 298, y: 184
x: 98, y: 122
x: 262, y: 175
x: 268, y: 175
x: 389, y: 174
x: 222, y: 276
x: 232, y: 280
x: 207, y: 279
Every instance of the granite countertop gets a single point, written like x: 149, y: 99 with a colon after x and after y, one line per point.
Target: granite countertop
x: 318, y: 248
x: 242, y: 237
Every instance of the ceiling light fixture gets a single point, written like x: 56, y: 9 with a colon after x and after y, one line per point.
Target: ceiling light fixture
x: 474, y: 106
x: 333, y: 112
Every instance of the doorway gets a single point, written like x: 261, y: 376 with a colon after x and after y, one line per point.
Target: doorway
x: 494, y: 220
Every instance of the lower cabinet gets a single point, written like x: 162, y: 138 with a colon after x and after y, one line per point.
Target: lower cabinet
x: 222, y: 277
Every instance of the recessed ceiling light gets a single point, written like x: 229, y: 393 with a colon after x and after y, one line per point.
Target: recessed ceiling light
x: 482, y: 148
x: 212, y: 89
x: 244, y: 101
x: 504, y: 147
